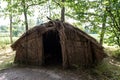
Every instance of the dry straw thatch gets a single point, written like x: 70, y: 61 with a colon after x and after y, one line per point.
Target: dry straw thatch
x: 57, y: 42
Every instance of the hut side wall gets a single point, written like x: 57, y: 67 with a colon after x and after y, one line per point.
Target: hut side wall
x: 99, y: 53
x: 78, y: 49
x: 30, y: 50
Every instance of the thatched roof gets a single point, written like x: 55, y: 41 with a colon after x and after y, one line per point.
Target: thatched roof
x: 51, y: 25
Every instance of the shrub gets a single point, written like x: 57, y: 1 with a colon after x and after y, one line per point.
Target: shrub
x: 116, y: 54
x: 113, y: 52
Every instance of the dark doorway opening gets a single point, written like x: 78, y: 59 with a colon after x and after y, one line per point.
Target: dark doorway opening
x: 52, y: 48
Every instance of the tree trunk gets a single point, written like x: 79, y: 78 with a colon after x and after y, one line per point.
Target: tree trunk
x: 25, y: 14
x: 63, y: 12
x: 49, y: 9
x: 26, y: 21
x: 26, y: 26
x: 103, y: 29
x: 10, y: 18
x: 11, y: 29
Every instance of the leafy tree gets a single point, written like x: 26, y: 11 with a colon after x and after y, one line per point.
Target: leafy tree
x: 9, y: 12
x: 113, y: 21
x: 23, y: 7
x: 102, y: 15
x: 26, y: 4
x: 3, y: 28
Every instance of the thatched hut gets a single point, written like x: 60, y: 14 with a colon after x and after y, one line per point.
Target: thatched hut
x: 56, y: 42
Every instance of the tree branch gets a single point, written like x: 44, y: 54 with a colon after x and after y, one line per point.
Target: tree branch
x: 113, y: 19
x: 117, y: 35
x: 35, y: 4
x: 118, y: 15
x: 57, y: 3
x: 91, y: 14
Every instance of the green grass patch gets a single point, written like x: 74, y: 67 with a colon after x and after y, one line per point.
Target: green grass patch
x: 6, y: 58
x: 113, y: 52
x: 108, y: 70
x: 6, y: 54
x: 6, y: 41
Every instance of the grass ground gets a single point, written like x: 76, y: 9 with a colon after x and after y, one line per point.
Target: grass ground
x: 5, y: 41
x: 6, y: 57
x: 109, y: 69
x: 6, y: 53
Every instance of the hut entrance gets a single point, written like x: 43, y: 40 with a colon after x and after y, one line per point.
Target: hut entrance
x: 52, y: 48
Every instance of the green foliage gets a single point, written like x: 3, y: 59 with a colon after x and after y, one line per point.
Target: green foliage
x: 17, y: 31
x: 95, y: 14
x: 98, y: 14
x: 3, y: 28
x: 113, y: 11
x: 110, y: 38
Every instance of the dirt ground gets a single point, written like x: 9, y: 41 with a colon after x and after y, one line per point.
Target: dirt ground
x: 24, y: 73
